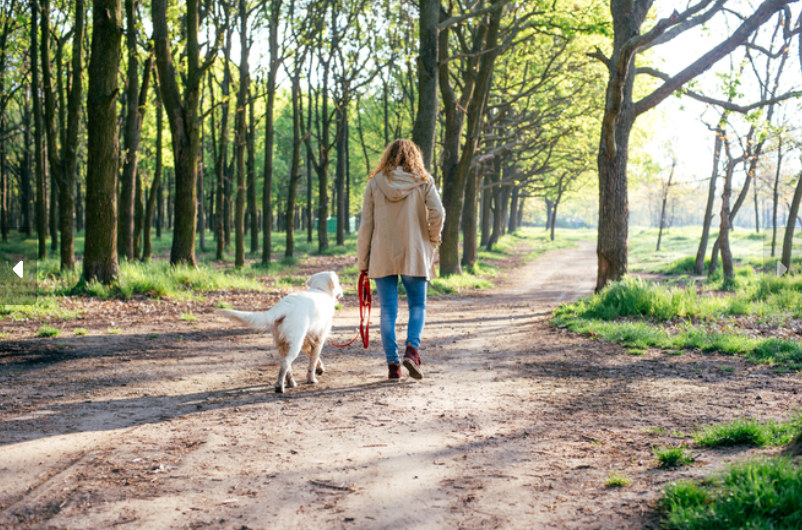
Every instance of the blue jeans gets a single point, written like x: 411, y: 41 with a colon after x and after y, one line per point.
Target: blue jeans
x: 387, y: 288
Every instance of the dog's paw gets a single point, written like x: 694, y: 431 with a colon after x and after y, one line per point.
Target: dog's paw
x: 279, y: 390
x: 291, y: 383
x: 320, y: 370
x: 311, y: 381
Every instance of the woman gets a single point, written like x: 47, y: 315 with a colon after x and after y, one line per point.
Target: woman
x: 402, y: 219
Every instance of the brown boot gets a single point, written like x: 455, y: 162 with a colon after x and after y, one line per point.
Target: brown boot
x: 412, y: 362
x: 394, y: 371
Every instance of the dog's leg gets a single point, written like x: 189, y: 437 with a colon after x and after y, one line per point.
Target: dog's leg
x: 290, y: 379
x: 320, y: 369
x: 315, y: 365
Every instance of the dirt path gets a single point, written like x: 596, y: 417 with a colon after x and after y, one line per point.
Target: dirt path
x: 516, y: 425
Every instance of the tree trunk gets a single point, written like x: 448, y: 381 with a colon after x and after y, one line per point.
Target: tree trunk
x: 724, y: 231
x: 241, y: 122
x: 221, y: 208
x: 776, y: 198
x: 53, y: 154
x: 251, y: 168
x: 100, y: 251
x: 469, y: 250
x: 711, y: 197
x: 295, y: 169
x: 138, y: 216
x: 201, y: 228
x: 496, y: 197
x: 426, y: 119
x: 788, y: 240
x: 549, y: 206
x: 154, y: 197
x: 513, y: 222
x: 41, y: 206
x: 67, y: 210
x: 455, y: 165
x: 663, y: 209
x: 184, y: 124
x: 487, y: 197
x: 267, y: 203
x: 342, y: 125
x: 137, y: 102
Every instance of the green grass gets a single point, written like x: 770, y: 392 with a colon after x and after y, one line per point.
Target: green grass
x: 755, y: 494
x: 679, y: 245
x: 672, y: 456
x: 617, y: 480
x: 632, y: 312
x: 48, y: 331
x: 746, y: 431
x: 113, y: 331
x: 80, y: 331
x: 222, y: 304
x: 189, y: 317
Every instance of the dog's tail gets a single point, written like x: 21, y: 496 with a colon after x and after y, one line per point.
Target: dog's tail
x: 254, y: 321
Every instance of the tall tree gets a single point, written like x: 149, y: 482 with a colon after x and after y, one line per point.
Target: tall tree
x: 267, y: 187
x: 184, y: 118
x: 135, y: 112
x: 156, y: 186
x: 70, y: 147
x: 53, y: 156
x: 621, y: 110
x: 426, y: 119
x: 100, y: 252
x: 41, y: 205
x: 241, y: 121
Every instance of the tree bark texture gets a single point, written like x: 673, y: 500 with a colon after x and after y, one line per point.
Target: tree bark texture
x: 51, y: 133
x: 295, y: 168
x: 788, y: 240
x: 100, y: 251
x: 41, y: 205
x: 184, y: 120
x: 241, y: 121
x: 251, y: 168
x: 155, y: 187
x: 698, y: 267
x: 267, y: 207
x: 67, y: 185
x: 137, y: 101
x: 426, y: 120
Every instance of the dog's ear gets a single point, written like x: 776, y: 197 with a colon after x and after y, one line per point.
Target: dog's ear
x: 332, y: 285
x: 309, y: 281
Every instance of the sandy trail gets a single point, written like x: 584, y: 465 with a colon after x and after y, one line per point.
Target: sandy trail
x: 516, y: 424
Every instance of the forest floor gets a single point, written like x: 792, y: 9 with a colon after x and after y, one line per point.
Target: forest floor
x: 174, y: 424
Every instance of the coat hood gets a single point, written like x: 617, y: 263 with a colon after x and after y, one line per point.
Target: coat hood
x: 399, y: 185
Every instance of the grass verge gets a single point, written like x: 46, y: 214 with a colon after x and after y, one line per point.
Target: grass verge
x: 751, y: 431
x: 759, y: 494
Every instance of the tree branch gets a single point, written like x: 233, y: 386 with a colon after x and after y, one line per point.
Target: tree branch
x: 739, y: 36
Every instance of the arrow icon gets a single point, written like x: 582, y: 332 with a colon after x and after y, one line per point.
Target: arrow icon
x: 781, y: 269
x: 18, y: 269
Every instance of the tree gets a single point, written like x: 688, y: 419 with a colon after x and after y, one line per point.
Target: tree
x: 100, y: 251
x: 621, y: 110
x: 41, y: 206
x: 70, y: 147
x: 267, y: 209
x: 426, y: 119
x: 241, y: 135
x: 135, y: 111
x: 184, y: 119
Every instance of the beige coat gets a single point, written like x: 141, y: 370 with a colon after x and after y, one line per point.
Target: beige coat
x: 402, y: 218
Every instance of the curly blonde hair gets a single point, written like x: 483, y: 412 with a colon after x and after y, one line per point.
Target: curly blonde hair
x: 401, y: 153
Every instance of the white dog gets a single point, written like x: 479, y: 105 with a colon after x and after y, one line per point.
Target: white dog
x: 299, y: 321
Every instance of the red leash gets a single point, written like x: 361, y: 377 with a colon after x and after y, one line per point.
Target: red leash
x: 363, y: 289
